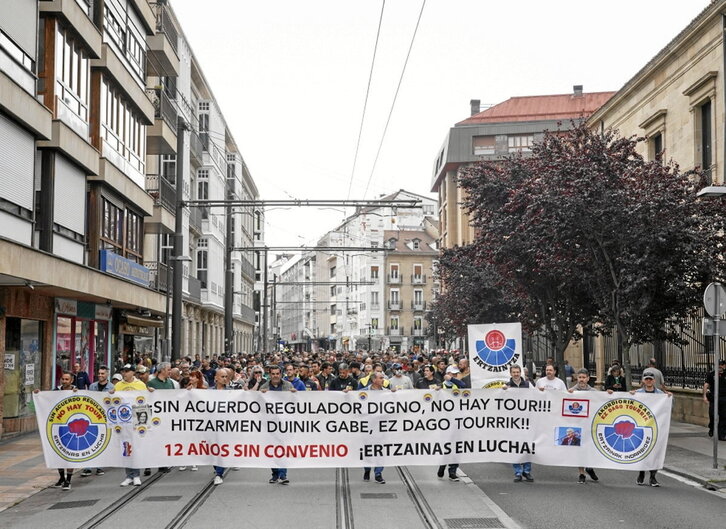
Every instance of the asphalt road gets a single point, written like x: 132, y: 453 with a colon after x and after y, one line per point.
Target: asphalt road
x: 556, y: 501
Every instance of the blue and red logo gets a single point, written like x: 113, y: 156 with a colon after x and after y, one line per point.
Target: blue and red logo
x: 496, y: 352
x: 77, y: 430
x: 624, y: 430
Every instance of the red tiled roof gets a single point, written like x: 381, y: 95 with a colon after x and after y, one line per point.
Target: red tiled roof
x: 541, y: 108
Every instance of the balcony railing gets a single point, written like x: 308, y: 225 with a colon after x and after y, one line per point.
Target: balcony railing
x: 158, y: 273
x: 394, y: 279
x: 418, y: 332
x: 163, y: 107
x: 375, y: 306
x: 418, y: 280
x: 418, y: 305
x: 394, y: 332
x: 162, y: 190
x: 165, y: 25
x: 394, y: 305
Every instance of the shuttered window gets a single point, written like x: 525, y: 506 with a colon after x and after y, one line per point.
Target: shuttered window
x: 17, y: 164
x: 70, y: 196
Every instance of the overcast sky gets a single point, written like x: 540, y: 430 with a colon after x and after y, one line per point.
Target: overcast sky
x: 291, y: 75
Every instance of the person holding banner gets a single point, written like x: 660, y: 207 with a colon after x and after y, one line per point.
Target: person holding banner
x: 583, y: 377
x: 276, y: 383
x: 649, y: 386
x: 450, y: 382
x: 66, y: 384
x: 521, y: 470
x: 376, y: 384
x: 550, y: 381
x: 129, y: 382
x: 428, y: 380
x: 221, y: 382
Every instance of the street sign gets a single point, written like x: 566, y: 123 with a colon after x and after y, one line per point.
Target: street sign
x: 714, y: 300
x: 709, y: 327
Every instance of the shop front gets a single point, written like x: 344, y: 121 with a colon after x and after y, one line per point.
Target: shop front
x: 138, y: 336
x: 81, y: 336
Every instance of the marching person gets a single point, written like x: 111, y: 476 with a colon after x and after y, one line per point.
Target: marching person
x: 521, y: 470
x: 649, y: 386
x: 221, y: 382
x: 276, y: 383
x: 583, y: 377
x: 376, y: 384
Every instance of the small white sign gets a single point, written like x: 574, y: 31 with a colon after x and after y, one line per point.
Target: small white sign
x: 29, y: 374
x: 493, y: 349
x: 10, y: 361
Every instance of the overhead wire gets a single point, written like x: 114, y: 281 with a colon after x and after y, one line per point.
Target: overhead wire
x: 395, y: 98
x: 365, y: 102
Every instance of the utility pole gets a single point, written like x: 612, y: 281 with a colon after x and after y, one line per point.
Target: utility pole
x: 176, y: 320
x: 229, y: 274
x: 273, y: 314
x: 265, y: 307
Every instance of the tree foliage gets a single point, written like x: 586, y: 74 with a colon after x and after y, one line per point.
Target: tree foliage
x: 585, y: 231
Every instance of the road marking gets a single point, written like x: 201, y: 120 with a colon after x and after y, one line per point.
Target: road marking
x: 503, y: 516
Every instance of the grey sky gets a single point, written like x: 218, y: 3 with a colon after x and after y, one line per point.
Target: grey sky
x: 291, y: 75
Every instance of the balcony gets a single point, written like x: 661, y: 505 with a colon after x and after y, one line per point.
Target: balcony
x: 418, y: 279
x: 162, y: 56
x: 195, y: 289
x: 418, y: 332
x: 394, y: 332
x: 394, y: 279
x: 195, y: 220
x: 163, y: 191
x: 196, y: 150
x: 394, y: 305
x: 418, y: 305
x: 375, y: 306
x: 161, y: 136
x: 159, y: 272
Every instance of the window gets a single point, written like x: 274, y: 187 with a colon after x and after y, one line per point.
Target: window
x: 23, y: 364
x: 374, y: 323
x: 168, y: 167
x: 520, y: 143
x: 332, y: 291
x: 333, y: 309
x: 417, y: 324
x: 112, y: 226
x: 167, y: 247
x: 332, y: 328
x: 418, y: 297
x: 203, y: 116
x: 374, y: 272
x: 332, y: 272
x: 484, y: 145
x: 121, y: 129
x: 705, y: 112
x: 417, y: 271
x: 202, y: 265
x: 416, y: 244
x: 395, y: 299
x: 123, y: 30
x: 394, y: 271
x: 72, y: 74
x: 134, y: 236
x: 394, y: 323
x: 374, y: 299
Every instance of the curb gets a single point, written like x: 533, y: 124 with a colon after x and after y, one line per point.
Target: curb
x: 710, y: 485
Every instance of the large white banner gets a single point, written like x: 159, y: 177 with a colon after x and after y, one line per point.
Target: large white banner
x: 361, y: 428
x: 493, y: 349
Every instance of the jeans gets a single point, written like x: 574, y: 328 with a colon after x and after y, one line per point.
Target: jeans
x: 376, y: 471
x: 522, y: 468
x: 279, y: 473
x: 219, y: 470
x: 133, y: 473
x: 453, y: 467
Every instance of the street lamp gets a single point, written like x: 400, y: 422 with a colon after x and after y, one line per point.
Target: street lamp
x: 715, y: 191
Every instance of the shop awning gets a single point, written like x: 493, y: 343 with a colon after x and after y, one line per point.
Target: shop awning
x: 143, y: 321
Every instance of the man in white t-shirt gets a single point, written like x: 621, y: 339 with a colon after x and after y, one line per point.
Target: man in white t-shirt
x: 549, y: 381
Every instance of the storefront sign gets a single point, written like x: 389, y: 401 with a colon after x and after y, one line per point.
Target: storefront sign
x: 103, y: 312
x: 127, y: 328
x: 332, y: 429
x: 66, y: 306
x: 126, y: 268
x: 29, y: 374
x: 9, y: 361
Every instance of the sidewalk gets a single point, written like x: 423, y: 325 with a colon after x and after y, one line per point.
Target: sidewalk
x: 23, y: 472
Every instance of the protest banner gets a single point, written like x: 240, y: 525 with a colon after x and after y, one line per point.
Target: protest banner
x: 493, y: 349
x: 359, y: 428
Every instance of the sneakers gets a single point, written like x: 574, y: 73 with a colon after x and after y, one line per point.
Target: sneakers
x: 86, y: 472
x: 127, y: 482
x: 284, y: 481
x: 440, y: 473
x: 164, y: 470
x: 641, y: 478
x: 58, y: 484
x: 528, y: 477
x: 273, y: 480
x: 100, y: 472
x: 67, y: 485
x: 194, y: 468
x: 380, y: 480
x: 137, y: 482
x: 218, y: 480
x: 367, y: 475
x: 581, y: 479
x: 517, y: 478
x: 654, y: 482
x: 453, y: 477
x: 147, y: 472
x: 591, y: 473
x: 182, y: 469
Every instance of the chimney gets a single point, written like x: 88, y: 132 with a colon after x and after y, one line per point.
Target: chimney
x: 475, y: 106
x: 577, y: 90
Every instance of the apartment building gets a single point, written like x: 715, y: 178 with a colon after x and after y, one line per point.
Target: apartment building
x: 88, y: 151
x: 507, y: 128
x: 343, y: 303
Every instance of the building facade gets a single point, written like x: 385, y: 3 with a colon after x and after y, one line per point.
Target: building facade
x: 88, y: 144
